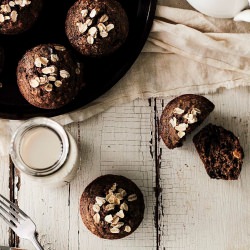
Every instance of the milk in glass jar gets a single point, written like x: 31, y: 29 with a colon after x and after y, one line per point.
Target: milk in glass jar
x: 45, y: 152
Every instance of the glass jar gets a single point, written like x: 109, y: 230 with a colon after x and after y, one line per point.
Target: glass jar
x: 44, y: 152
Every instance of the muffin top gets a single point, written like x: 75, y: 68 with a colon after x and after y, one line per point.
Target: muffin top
x: 18, y: 15
x: 47, y: 76
x: 112, y: 207
x: 181, y: 116
x: 96, y: 27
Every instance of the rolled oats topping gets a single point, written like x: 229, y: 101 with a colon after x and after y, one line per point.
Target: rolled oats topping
x: 122, y: 192
x: 5, y: 8
x: 111, y: 198
x: 35, y: 82
x: 114, y: 230
x: 82, y: 27
x: 120, y: 214
x: 92, y: 13
x: 50, y: 70
x: 104, y: 34
x: 52, y: 78
x: 108, y: 218
x: 54, y: 58
x: 119, y: 224
x: 113, y: 188
x: 111, y: 210
x: 101, y: 27
x: 1, y: 18
x: 90, y: 39
x: 127, y: 229
x: 110, y: 27
x: 13, y: 16
x: 43, y: 79
x: 178, y: 111
x: 96, y: 208
x: 173, y: 122
x: 189, y: 118
x: 104, y: 18
x: 39, y: 61
x: 64, y: 73
x: 132, y: 197
x: 119, y: 196
x: 115, y: 220
x: 110, y: 207
x: 58, y: 83
x: 96, y: 218
x: 181, y: 134
x: 59, y: 48
x: 49, y: 87
x: 92, y: 31
x: 88, y: 22
x: 100, y: 200
x: 12, y: 3
x: 10, y: 12
x: 84, y: 12
x: 93, y: 26
x: 181, y: 127
x: 124, y: 206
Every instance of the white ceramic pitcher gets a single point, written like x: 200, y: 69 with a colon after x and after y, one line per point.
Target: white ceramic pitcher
x: 220, y: 8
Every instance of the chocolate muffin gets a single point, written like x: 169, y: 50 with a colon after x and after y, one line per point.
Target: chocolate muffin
x: 112, y: 207
x: 17, y: 16
x: 96, y: 27
x: 181, y: 116
x: 48, y: 76
x: 220, y: 151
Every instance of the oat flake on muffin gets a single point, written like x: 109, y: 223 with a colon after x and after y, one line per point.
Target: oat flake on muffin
x: 48, y: 77
x: 112, y: 207
x: 17, y: 16
x: 96, y: 28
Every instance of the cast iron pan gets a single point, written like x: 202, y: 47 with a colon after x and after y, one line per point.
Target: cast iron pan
x: 100, y: 74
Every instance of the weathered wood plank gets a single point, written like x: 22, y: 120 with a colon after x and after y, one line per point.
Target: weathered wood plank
x: 194, y: 212
x: 4, y: 190
x: 116, y: 142
x: 198, y: 212
x: 49, y: 209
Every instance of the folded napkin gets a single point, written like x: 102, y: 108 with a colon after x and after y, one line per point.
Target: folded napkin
x: 186, y: 52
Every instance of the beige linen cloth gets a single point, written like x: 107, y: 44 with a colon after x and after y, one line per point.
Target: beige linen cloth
x: 186, y: 52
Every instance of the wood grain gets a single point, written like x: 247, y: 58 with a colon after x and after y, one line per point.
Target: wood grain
x: 185, y: 209
x: 198, y: 212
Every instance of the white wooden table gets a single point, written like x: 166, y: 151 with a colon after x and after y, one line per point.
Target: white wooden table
x: 185, y: 209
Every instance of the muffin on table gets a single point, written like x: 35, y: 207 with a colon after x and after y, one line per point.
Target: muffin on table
x: 220, y: 152
x: 112, y: 207
x: 48, y: 77
x: 96, y: 27
x: 17, y: 16
x: 181, y: 116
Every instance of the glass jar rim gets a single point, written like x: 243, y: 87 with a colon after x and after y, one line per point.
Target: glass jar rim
x: 17, y: 138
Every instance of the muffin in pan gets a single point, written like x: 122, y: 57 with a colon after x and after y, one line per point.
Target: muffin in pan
x: 96, y: 27
x: 48, y: 77
x: 17, y: 16
x: 112, y: 207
